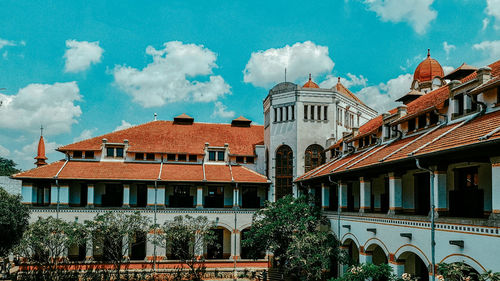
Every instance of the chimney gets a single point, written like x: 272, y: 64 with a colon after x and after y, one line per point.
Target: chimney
x: 402, y: 110
x: 484, y: 74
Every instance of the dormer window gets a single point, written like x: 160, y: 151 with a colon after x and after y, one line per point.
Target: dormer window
x: 114, y: 152
x: 89, y: 155
x: 150, y: 156
x: 240, y: 159
x: 193, y: 158
x: 139, y: 156
x: 411, y: 125
x: 422, y: 121
x: 459, y: 105
x: 170, y: 157
x: 250, y: 159
x: 216, y: 155
x: 77, y: 154
x: 182, y: 157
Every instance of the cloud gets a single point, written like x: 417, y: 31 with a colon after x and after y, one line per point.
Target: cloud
x: 24, y: 157
x: 81, y: 54
x: 486, y: 22
x: 383, y: 96
x: 86, y: 134
x: 490, y: 48
x: 171, y: 77
x: 220, y: 110
x: 268, y: 67
x: 4, y: 43
x: 448, y: 47
x: 352, y: 81
x: 411, y: 62
x: 50, y: 105
x: 4, y: 152
x: 493, y: 9
x: 418, y: 14
x: 447, y: 69
x: 124, y: 125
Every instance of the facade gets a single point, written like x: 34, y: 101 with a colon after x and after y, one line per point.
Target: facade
x: 439, y: 151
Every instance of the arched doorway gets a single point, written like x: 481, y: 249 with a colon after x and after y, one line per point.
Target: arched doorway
x: 415, y: 266
x: 284, y: 171
x: 221, y: 248
x: 314, y: 157
x: 352, y: 251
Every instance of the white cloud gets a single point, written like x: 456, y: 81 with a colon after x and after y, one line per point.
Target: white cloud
x: 80, y: 55
x: 448, y: 47
x: 124, y: 125
x: 86, y: 134
x: 4, y: 43
x: 220, y: 110
x: 4, y: 152
x: 268, y: 67
x: 493, y: 9
x: 171, y: 76
x: 486, y: 22
x: 383, y: 96
x: 50, y: 105
x: 490, y: 48
x: 418, y: 14
x: 352, y: 81
x: 24, y: 157
x: 447, y: 69
x: 411, y: 62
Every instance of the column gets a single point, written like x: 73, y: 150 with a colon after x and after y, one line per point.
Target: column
x: 343, y: 196
x: 364, y: 195
x: 495, y: 190
x: 398, y: 266
x: 295, y: 190
x: 90, y: 195
x: 325, y: 196
x: 365, y: 256
x: 160, y: 196
x: 27, y: 193
x: 126, y: 196
x: 395, y: 194
x: 440, y: 190
x: 236, y: 197
x: 235, y: 244
x: 199, y: 197
x: 151, y: 195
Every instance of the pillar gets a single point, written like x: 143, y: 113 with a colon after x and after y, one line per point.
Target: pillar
x: 398, y: 266
x: 150, y: 248
x: 236, y: 197
x: 365, y: 256
x: 395, y: 193
x: 325, y: 196
x: 160, y: 196
x: 27, y: 193
x: 90, y: 195
x: 235, y: 244
x: 126, y: 196
x: 495, y: 190
x: 440, y: 190
x: 151, y: 195
x: 364, y: 195
x: 199, y: 197
x: 295, y: 190
x: 343, y: 196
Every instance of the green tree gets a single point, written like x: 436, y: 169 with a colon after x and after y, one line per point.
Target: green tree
x: 7, y: 167
x: 292, y: 230
x: 187, y: 237
x: 13, y: 221
x: 44, y: 245
x: 460, y: 271
x: 111, y: 231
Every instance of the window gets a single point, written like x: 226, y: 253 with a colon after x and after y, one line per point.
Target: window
x: 281, y: 113
x: 181, y: 157
x: 468, y: 178
x: 361, y: 143
x: 150, y: 156
x: 181, y: 190
x: 314, y: 157
x: 411, y: 125
x: 422, y: 121
x: 115, y: 152
x: 473, y: 100
x: 250, y: 159
x: 240, y: 159
x: 119, y: 152
x: 319, y: 112
x: 193, y: 158
x: 498, y: 95
x: 110, y: 152
x: 459, y: 103
x: 170, y: 157
x: 220, y: 155
x: 286, y: 115
x: 387, y: 131
x: 139, y: 156
x: 293, y: 112
x: 275, y: 114
x: 312, y: 112
x: 77, y: 154
x: 433, y: 118
x: 367, y: 140
x: 89, y: 155
x: 284, y: 171
x: 211, y: 155
x: 325, y: 112
x: 305, y: 112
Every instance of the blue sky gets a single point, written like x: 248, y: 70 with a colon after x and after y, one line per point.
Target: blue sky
x: 85, y: 68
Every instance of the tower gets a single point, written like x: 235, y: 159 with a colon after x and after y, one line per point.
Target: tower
x: 428, y: 75
x: 40, y: 158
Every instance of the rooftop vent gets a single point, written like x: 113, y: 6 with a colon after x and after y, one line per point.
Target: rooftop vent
x: 241, y: 122
x: 183, y: 119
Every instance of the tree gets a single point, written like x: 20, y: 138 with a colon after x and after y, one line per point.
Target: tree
x: 291, y: 229
x: 187, y: 237
x: 44, y: 245
x: 460, y: 271
x: 111, y: 231
x: 13, y: 221
x: 7, y: 167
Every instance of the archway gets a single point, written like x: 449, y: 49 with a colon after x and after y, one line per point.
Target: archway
x: 221, y: 248
x: 352, y: 251
x: 284, y: 171
x: 314, y: 157
x: 254, y: 252
x: 414, y: 265
x: 378, y: 254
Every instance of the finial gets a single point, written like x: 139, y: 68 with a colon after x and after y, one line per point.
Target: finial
x: 156, y: 115
x: 338, y: 81
x: 309, y: 76
x: 285, y: 74
x: 428, y: 52
x: 41, y: 130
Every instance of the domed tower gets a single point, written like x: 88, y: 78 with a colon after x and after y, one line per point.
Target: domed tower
x: 428, y: 75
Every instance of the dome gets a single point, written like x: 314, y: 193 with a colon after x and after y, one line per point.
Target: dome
x: 310, y: 83
x: 428, y: 69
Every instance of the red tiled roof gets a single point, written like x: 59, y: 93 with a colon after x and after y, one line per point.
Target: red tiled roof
x: 310, y: 84
x: 343, y: 90
x: 168, y: 137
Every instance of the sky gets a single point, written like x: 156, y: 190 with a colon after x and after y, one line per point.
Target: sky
x: 85, y: 68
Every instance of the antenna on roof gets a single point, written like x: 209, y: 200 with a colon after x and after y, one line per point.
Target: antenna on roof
x: 156, y: 115
x: 285, y: 74
x: 428, y: 52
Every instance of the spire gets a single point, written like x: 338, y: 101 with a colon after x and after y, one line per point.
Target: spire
x: 310, y: 77
x: 40, y: 158
x: 428, y: 52
x: 338, y: 80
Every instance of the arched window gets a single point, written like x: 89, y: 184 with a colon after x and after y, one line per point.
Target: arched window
x: 314, y: 156
x: 284, y: 171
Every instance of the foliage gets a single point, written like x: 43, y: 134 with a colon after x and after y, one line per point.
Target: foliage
x: 186, y: 237
x: 109, y: 230
x: 291, y: 229
x: 13, y: 221
x: 460, y: 271
x: 370, y: 271
x: 7, y: 167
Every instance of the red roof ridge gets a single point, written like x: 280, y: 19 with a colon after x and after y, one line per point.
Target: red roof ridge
x: 20, y: 174
x: 250, y: 170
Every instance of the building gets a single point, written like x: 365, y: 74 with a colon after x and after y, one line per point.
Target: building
x: 441, y: 148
